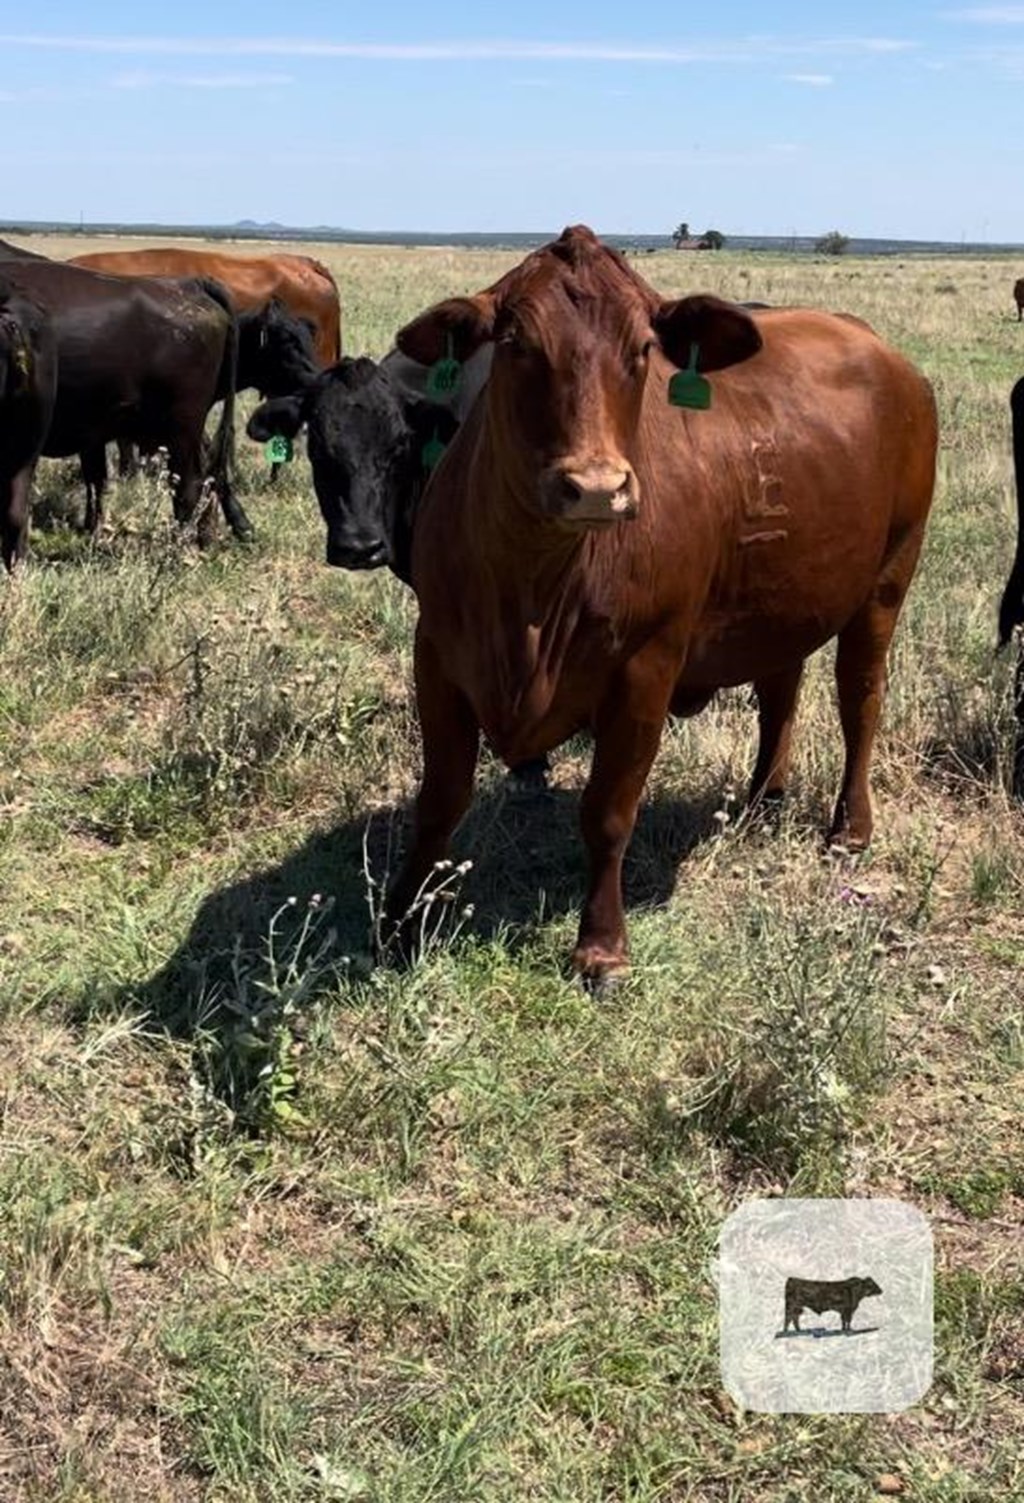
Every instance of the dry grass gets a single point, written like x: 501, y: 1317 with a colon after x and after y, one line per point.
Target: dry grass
x: 279, y: 1226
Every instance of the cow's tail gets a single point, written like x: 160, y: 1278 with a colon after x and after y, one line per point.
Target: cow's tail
x: 1011, y: 607
x: 220, y: 462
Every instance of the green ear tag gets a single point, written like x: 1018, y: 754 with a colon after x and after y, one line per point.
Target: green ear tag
x: 432, y: 451
x: 278, y: 449
x: 444, y: 375
x: 687, y: 389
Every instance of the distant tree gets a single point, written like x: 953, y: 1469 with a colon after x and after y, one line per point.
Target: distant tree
x: 680, y: 234
x: 712, y: 240
x: 832, y: 244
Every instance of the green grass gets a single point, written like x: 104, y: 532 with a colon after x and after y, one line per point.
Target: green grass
x: 280, y: 1225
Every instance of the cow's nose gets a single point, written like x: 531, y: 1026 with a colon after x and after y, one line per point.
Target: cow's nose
x: 594, y: 492
x: 357, y: 553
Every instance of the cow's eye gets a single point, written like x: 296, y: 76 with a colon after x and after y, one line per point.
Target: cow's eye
x: 511, y: 338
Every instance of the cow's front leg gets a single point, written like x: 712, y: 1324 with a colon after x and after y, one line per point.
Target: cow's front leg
x: 451, y: 739
x: 626, y: 740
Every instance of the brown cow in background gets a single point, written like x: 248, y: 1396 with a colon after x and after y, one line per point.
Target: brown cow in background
x: 589, y: 556
x: 1018, y: 297
x: 304, y: 286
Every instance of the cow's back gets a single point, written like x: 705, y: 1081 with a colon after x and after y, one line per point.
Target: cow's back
x: 304, y: 286
x: 121, y: 343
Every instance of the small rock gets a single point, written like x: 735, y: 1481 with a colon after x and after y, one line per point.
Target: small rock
x: 889, y: 1484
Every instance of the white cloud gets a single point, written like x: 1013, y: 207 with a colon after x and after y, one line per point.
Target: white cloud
x: 990, y: 15
x: 740, y: 50
x: 812, y: 80
x: 140, y: 79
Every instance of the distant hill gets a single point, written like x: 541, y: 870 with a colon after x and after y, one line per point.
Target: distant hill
x: 251, y: 229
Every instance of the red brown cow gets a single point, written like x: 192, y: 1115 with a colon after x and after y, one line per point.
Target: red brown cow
x: 1018, y: 297
x: 303, y: 285
x: 589, y: 556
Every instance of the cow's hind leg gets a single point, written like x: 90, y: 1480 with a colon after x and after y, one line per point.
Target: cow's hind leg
x: 860, y: 678
x: 127, y: 459
x: 451, y: 740
x: 777, y: 698
x: 94, y: 473
x: 15, y: 509
x: 185, y: 461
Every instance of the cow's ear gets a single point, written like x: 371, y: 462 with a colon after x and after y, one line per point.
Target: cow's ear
x: 279, y: 415
x: 456, y: 328
x: 723, y: 333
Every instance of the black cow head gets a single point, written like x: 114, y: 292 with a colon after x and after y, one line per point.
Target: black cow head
x: 370, y: 447
x: 276, y: 351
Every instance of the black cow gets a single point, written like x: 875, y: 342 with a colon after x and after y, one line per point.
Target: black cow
x: 819, y: 1295
x: 368, y: 440
x: 141, y: 359
x: 372, y: 441
x: 28, y: 385
x: 276, y: 355
x: 276, y: 352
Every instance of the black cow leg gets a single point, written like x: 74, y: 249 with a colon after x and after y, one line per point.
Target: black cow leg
x: 1018, y: 705
x: 127, y: 459
x: 94, y: 473
x: 15, y: 507
x: 190, y: 504
x: 235, y: 516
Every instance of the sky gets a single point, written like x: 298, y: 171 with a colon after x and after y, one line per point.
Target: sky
x: 898, y: 120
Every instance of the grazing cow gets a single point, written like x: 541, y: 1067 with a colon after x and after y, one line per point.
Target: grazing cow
x: 28, y: 384
x: 305, y: 287
x: 275, y: 355
x: 144, y: 360
x: 588, y: 555
x: 1018, y: 297
x: 819, y: 1295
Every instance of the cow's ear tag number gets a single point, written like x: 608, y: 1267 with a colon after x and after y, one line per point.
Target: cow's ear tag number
x: 687, y: 389
x: 445, y: 374
x: 432, y: 451
x: 278, y: 449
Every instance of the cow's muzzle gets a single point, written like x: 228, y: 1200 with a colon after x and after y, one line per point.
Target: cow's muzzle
x: 345, y: 553
x: 591, y: 494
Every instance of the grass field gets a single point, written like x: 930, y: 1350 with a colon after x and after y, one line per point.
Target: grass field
x: 279, y: 1226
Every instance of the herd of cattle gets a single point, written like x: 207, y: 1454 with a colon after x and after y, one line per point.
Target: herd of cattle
x: 598, y: 536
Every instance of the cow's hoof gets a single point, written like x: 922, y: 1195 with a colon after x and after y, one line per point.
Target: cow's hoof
x: 843, y: 844
x: 600, y: 975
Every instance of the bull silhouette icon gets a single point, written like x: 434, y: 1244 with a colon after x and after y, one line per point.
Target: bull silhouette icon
x: 825, y: 1295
